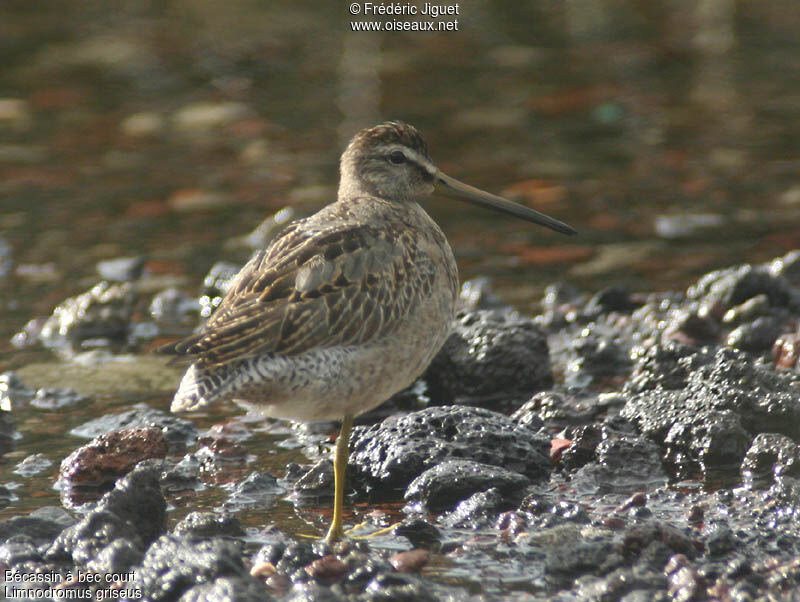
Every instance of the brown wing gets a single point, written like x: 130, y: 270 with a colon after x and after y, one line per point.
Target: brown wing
x: 342, y: 285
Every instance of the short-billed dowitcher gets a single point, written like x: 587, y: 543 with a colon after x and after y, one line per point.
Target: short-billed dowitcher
x: 346, y: 307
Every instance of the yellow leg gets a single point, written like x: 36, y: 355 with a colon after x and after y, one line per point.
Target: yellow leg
x: 336, y: 532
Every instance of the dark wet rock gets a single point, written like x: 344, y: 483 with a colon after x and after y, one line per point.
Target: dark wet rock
x: 178, y: 431
x: 173, y: 566
x: 725, y: 401
x: 272, y: 551
x: 689, y: 327
x: 19, y: 552
x: 137, y: 499
x: 443, y: 486
x: 38, y: 530
x: 180, y: 476
x: 683, y: 580
x: 174, y: 310
x: 770, y: 456
x: 98, y: 318
x: 313, y: 591
x: 481, y: 509
x: 724, y: 289
x: 528, y: 414
x: 748, y: 311
x: 665, y: 366
x: 291, y: 558
x: 622, y: 464
x: 228, y: 589
x: 787, y: 267
x: 13, y: 392
x: 757, y: 336
x: 215, y: 285
x: 206, y: 525
x: 611, y: 299
x: 135, y: 510
x: 639, y: 537
x: 107, y: 457
x: 388, y: 456
x: 712, y: 442
x: 477, y: 294
x: 419, y: 532
x: 566, y: 560
x: 490, y: 357
x: 546, y: 510
x: 595, y: 357
x: 119, y: 556
x: 396, y: 586
x: 583, y: 443
x: 121, y: 269
x: 512, y: 523
x: 316, y: 573
x: 626, y: 584
x: 720, y: 539
x: 219, y: 454
x: 559, y: 295
x: 82, y: 542
x: 257, y: 490
x: 311, y: 484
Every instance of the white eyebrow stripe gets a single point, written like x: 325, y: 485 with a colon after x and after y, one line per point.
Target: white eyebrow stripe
x: 417, y: 158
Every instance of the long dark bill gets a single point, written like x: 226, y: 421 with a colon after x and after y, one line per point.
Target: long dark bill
x: 481, y: 198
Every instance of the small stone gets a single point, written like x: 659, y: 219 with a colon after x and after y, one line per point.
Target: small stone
x: 205, y: 525
x: 100, y: 316
x: 268, y: 229
x: 786, y: 350
x: 56, y: 399
x: 747, y: 311
x: 121, y: 269
x: 173, y: 309
x: 444, y: 485
x: 13, y: 392
x: 201, y: 117
x: 327, y: 569
x: 196, y: 199
x: 15, y: 114
x: 109, y: 456
x: 410, y: 561
x: 140, y: 125
x: 32, y: 465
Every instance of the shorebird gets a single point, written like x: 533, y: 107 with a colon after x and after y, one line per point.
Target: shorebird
x: 346, y: 307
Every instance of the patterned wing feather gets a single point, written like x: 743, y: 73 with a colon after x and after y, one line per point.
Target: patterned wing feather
x: 342, y: 285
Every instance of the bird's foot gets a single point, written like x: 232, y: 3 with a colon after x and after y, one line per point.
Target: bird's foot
x: 336, y: 533
x: 378, y: 533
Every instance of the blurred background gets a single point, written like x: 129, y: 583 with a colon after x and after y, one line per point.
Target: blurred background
x: 667, y: 132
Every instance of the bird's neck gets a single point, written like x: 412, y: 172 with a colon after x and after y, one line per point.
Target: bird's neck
x: 351, y: 188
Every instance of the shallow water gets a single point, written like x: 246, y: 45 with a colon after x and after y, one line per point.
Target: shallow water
x: 667, y: 135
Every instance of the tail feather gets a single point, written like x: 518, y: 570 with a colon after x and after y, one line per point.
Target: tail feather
x: 198, y: 389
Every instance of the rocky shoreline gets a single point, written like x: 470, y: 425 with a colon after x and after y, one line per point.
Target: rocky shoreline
x: 616, y: 446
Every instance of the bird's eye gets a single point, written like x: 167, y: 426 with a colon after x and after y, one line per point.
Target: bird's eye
x: 397, y: 157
